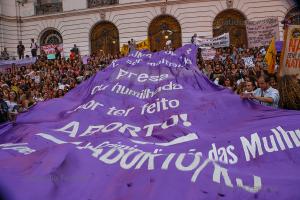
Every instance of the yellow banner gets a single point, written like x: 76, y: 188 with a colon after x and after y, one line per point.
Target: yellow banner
x: 145, y: 44
x: 124, y: 49
x: 271, y: 56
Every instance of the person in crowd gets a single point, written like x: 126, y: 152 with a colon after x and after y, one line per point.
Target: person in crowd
x: 27, y: 101
x: 207, y: 70
x: 60, y: 93
x: 248, y: 90
x: 72, y: 55
x: 228, y: 83
x: 194, y: 39
x: 250, y: 86
x: 4, y: 54
x: 13, y: 107
x: 43, y: 55
x: 20, y: 50
x: 75, y: 50
x: 131, y: 45
x: 57, y: 54
x: 265, y: 94
x: 3, y: 109
x: 33, y: 47
x: 217, y: 73
x: 273, y: 82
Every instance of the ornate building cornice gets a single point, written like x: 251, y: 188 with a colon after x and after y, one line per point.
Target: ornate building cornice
x: 104, y: 9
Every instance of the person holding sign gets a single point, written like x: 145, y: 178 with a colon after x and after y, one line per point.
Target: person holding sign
x: 249, y: 88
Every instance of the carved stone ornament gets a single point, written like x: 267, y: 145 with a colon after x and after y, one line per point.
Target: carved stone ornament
x: 229, y: 3
x: 102, y: 15
x: 163, y: 9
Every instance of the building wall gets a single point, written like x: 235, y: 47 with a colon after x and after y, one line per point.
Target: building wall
x: 132, y: 17
x: 69, y: 5
x: 8, y: 7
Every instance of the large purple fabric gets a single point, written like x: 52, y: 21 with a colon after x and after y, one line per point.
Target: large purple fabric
x: 5, y: 64
x: 151, y: 126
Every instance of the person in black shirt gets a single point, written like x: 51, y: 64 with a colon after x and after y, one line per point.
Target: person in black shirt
x: 57, y: 54
x: 20, y: 50
x: 3, y: 109
x: 75, y: 50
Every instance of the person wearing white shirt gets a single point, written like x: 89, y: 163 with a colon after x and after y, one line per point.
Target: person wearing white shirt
x: 33, y: 47
x: 265, y: 94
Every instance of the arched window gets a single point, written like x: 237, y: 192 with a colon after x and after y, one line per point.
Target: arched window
x: 232, y: 22
x: 162, y: 29
x: 293, y: 16
x: 105, y: 38
x: 51, y: 36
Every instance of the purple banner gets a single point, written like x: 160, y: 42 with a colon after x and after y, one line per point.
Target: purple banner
x: 18, y: 63
x: 151, y: 126
x: 279, y: 45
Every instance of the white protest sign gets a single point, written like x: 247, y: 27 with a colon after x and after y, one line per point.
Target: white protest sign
x: 216, y: 42
x: 208, y: 54
x: 249, y: 61
x: 261, y: 32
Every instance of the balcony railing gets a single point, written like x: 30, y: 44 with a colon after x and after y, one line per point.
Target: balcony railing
x: 99, y: 3
x: 48, y: 8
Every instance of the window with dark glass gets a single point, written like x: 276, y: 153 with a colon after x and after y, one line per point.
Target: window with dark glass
x: 98, y: 3
x: 51, y: 37
x: 43, y: 7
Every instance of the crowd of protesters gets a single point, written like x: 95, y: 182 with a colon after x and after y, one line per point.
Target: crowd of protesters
x: 22, y: 87
x: 228, y: 69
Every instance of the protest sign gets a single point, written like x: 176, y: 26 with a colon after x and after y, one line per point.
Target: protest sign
x: 208, y: 54
x: 248, y: 61
x: 261, y: 32
x: 49, y: 49
x: 145, y: 44
x: 290, y: 64
x: 216, y: 42
x: 142, y: 45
